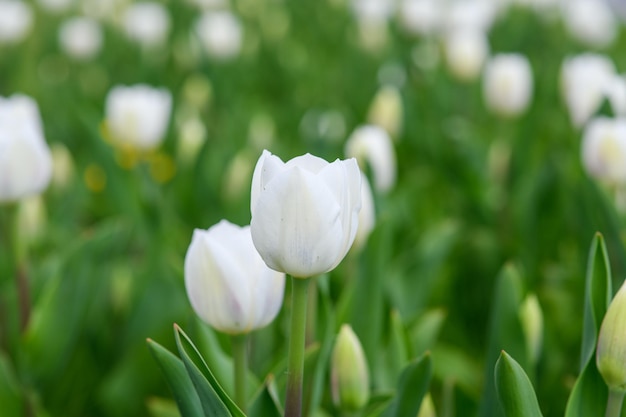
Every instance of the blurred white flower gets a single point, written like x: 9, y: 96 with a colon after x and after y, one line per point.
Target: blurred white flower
x: 31, y: 219
x: 304, y: 212
x: 210, y: 4
x: 604, y: 149
x: 590, y: 21
x: 16, y: 20
x: 80, y: 37
x: 138, y: 116
x: 55, y: 6
x: 615, y: 91
x: 508, y: 84
x: 228, y: 284
x: 386, y: 110
x: 372, y: 11
x: 584, y: 79
x: 372, y: 147
x: 25, y: 159
x: 367, y: 215
x: 108, y: 10
x: 62, y: 165
x: 148, y: 24
x: 220, y: 33
x: 470, y: 15
x: 466, y: 52
x: 421, y: 17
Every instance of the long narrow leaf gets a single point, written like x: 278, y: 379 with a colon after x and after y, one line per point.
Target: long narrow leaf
x: 178, y: 380
x: 215, y: 401
x: 412, y: 387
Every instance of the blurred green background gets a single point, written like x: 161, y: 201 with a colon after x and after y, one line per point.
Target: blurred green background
x: 474, y: 192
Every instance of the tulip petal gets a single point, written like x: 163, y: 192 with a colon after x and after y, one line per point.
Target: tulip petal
x: 308, y: 162
x: 296, y: 224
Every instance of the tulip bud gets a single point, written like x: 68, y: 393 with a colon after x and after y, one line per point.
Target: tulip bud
x: 25, y: 159
x: 421, y: 17
x: 137, y: 116
x: 508, y: 84
x: 349, y: 373
x: 604, y: 149
x: 427, y: 408
x: 367, y: 215
x: 80, y: 38
x: 386, y: 110
x: 148, y: 24
x: 590, y: 21
x: 16, y: 20
x: 372, y: 146
x: 584, y: 79
x: 611, y: 349
x: 191, y: 136
x: 531, y: 318
x: 220, y: 33
x: 465, y: 52
x: 304, y: 212
x: 62, y: 166
x: 228, y: 284
x: 31, y: 219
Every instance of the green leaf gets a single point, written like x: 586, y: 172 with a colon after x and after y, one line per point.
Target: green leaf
x: 412, y: 387
x: 10, y: 396
x: 266, y: 402
x: 424, y: 332
x: 598, y: 294
x: 589, y: 395
x: 178, y: 380
x: 214, y: 400
x: 505, y: 333
x: 396, y: 355
x: 515, y: 392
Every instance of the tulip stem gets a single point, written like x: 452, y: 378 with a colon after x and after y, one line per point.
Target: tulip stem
x: 614, y: 403
x: 240, y: 357
x: 293, y: 404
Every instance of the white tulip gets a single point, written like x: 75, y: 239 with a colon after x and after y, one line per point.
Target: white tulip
x: 25, y: 159
x: 367, y: 215
x: 421, y: 17
x: 470, y: 15
x: 508, y: 84
x: 604, y: 149
x: 372, y: 146
x: 590, y: 21
x: 616, y: 94
x: 386, y: 110
x: 138, y: 116
x: 220, y: 33
x: 466, y: 52
x: 80, y: 37
x: 584, y: 79
x: 16, y: 20
x: 228, y: 284
x: 55, y: 6
x: 148, y: 24
x: 304, y: 212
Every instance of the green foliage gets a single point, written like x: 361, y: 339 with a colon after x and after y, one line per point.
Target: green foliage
x: 515, y: 391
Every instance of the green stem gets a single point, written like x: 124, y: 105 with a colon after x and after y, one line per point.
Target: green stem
x: 293, y: 404
x: 240, y: 357
x: 614, y: 403
x: 311, y: 314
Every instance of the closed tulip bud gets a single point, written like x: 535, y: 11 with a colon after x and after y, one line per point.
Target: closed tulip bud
x: 25, y: 159
x: 604, y: 149
x: 367, y: 215
x: 31, y: 219
x: 590, y: 21
x: 372, y: 147
x: 16, y: 20
x: 148, y: 24
x: 62, y: 166
x: 531, y: 318
x: 137, y: 116
x: 466, y: 51
x: 386, y: 110
x: 349, y: 373
x: 427, y: 408
x: 508, y: 84
x: 228, y: 284
x: 611, y: 350
x: 584, y: 80
x: 80, y: 38
x: 220, y: 33
x: 304, y: 212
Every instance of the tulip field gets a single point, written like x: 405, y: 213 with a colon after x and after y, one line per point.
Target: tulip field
x: 313, y: 208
